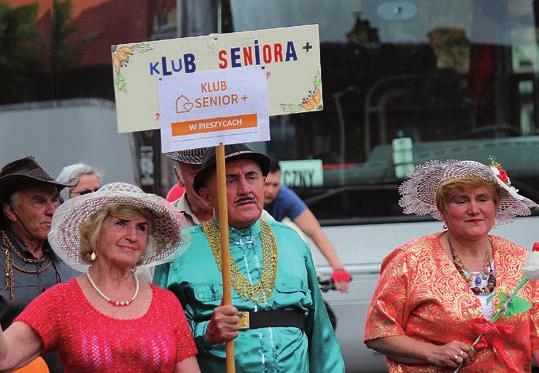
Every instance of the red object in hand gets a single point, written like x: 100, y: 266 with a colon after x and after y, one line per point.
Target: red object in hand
x: 341, y: 275
x: 535, y: 246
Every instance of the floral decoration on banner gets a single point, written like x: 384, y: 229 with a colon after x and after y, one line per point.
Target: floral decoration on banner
x: 120, y: 58
x: 310, y: 102
x: 499, y: 171
x: 506, y: 303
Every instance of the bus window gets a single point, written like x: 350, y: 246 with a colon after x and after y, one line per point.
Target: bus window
x: 455, y: 80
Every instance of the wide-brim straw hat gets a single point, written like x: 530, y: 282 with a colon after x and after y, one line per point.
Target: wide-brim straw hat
x: 234, y: 151
x: 23, y: 173
x: 418, y: 193
x: 64, y: 236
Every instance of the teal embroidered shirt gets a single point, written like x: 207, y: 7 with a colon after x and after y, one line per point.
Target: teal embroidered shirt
x: 271, y: 349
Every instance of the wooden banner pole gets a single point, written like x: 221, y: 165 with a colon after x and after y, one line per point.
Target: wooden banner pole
x: 225, y: 250
x: 223, y: 224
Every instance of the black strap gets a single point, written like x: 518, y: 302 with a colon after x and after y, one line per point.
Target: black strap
x: 277, y: 318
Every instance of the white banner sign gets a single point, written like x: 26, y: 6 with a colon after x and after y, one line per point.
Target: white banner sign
x: 290, y: 57
x: 213, y: 107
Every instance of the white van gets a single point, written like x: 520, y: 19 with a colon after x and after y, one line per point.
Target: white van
x: 58, y: 133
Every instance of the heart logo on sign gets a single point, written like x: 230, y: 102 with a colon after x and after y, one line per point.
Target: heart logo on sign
x: 183, y: 104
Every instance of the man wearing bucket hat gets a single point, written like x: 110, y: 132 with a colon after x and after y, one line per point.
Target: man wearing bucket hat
x: 108, y: 320
x: 284, y: 324
x: 437, y: 293
x: 28, y: 266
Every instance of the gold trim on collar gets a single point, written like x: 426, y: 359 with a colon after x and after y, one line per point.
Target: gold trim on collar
x: 262, y: 291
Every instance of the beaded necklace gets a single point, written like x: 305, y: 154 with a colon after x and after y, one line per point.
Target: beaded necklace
x: 481, y: 283
x: 257, y: 293
x: 9, y: 247
x: 116, y: 303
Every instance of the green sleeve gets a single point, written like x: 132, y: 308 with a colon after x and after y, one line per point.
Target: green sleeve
x: 165, y: 275
x: 324, y: 350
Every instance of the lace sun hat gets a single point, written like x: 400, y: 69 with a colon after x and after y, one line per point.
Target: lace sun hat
x: 418, y: 193
x: 64, y: 236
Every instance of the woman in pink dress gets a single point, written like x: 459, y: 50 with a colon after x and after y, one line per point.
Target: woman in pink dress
x: 107, y: 320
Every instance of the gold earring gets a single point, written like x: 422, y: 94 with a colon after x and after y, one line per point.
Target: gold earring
x: 93, y: 256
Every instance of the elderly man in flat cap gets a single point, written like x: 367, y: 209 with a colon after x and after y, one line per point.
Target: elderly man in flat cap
x: 191, y: 205
x: 28, y: 266
x: 283, y: 325
x: 194, y: 209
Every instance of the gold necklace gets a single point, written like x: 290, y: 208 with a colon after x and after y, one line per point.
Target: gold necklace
x: 8, y: 247
x: 257, y: 293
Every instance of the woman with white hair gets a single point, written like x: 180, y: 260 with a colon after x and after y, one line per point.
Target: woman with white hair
x: 107, y: 320
x: 435, y: 293
x: 89, y: 180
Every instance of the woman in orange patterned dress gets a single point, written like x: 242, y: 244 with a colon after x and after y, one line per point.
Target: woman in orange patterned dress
x: 431, y: 303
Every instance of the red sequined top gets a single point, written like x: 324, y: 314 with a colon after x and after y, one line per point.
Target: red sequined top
x: 89, y: 341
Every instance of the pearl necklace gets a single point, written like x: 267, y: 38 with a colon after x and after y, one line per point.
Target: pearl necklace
x: 117, y: 303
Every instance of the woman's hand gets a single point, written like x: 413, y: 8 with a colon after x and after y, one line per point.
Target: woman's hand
x: 451, y: 354
x: 407, y: 350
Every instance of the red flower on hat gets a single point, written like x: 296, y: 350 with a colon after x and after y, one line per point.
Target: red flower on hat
x: 503, y: 175
x: 498, y: 170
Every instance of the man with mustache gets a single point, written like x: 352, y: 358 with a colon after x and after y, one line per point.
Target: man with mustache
x: 278, y: 318
x: 195, y: 210
x: 28, y: 266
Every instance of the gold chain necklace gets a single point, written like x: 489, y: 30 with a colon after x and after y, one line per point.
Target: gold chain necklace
x: 25, y: 259
x: 10, y: 264
x: 257, y: 293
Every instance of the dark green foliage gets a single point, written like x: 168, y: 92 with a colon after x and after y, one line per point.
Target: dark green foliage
x: 19, y: 59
